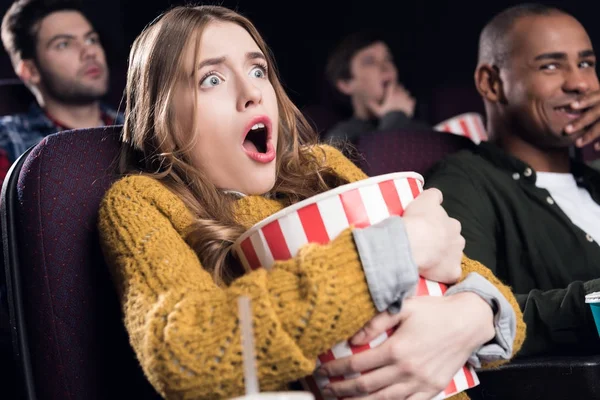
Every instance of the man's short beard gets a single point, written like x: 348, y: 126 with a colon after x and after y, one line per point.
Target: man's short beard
x: 70, y: 92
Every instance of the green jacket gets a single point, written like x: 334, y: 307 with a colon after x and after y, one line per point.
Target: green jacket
x: 519, y: 232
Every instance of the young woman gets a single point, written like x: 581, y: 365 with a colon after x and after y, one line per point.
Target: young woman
x: 212, y: 145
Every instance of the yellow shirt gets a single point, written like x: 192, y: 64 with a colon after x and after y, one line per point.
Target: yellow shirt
x: 184, y: 328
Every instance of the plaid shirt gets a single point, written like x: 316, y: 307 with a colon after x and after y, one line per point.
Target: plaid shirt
x: 21, y: 131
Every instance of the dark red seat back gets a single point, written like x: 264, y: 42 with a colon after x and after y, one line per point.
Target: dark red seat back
x: 73, y: 332
x: 449, y: 101
x: 406, y: 150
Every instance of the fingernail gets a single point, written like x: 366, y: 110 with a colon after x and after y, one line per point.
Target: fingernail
x: 575, y: 104
x: 327, y: 392
x: 597, y: 146
x: 358, y: 338
x: 569, y: 128
x: 579, y: 142
x: 321, y: 372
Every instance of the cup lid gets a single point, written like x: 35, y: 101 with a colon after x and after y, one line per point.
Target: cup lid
x: 592, y: 297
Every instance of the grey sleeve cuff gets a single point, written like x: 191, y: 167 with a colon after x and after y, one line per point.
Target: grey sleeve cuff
x: 505, y: 320
x: 386, y: 258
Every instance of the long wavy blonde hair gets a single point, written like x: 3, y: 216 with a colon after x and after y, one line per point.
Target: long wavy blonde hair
x: 150, y: 135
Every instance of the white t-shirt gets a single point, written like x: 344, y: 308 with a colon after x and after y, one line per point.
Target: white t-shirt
x: 575, y: 201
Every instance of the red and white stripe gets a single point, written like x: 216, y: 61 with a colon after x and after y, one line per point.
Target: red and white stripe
x: 315, y: 383
x: 465, y: 378
x: 322, y: 221
x: 469, y: 125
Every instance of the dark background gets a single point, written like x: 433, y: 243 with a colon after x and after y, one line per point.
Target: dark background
x: 434, y: 43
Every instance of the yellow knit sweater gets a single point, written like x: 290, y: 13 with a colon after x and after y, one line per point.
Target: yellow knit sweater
x: 184, y: 328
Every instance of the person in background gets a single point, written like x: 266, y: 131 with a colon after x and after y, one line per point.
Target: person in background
x: 528, y: 211
x: 58, y: 55
x: 362, y: 71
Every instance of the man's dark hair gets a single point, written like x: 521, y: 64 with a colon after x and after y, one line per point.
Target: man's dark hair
x: 21, y: 23
x: 338, y: 65
x: 493, y: 41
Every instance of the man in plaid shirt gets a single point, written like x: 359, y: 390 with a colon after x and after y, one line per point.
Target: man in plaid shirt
x: 57, y: 54
x: 21, y: 131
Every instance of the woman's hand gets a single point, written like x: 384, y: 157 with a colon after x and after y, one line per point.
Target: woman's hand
x: 434, y: 339
x: 435, y: 240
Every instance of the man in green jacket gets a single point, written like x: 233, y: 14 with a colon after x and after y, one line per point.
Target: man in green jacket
x: 528, y: 210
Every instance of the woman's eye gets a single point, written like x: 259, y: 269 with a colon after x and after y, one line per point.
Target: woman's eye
x: 258, y: 72
x: 211, y: 81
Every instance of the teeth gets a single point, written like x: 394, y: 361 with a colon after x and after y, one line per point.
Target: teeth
x: 568, y: 109
x: 258, y: 126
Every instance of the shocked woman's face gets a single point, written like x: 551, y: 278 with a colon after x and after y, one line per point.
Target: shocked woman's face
x: 236, y: 130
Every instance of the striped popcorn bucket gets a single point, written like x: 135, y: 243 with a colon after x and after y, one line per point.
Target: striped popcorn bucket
x: 469, y: 125
x: 321, y: 219
x: 464, y: 379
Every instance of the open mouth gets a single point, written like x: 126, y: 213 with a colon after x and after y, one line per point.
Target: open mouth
x: 257, y: 142
x: 256, y: 139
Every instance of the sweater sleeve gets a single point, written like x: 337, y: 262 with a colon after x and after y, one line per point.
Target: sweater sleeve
x: 184, y: 328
